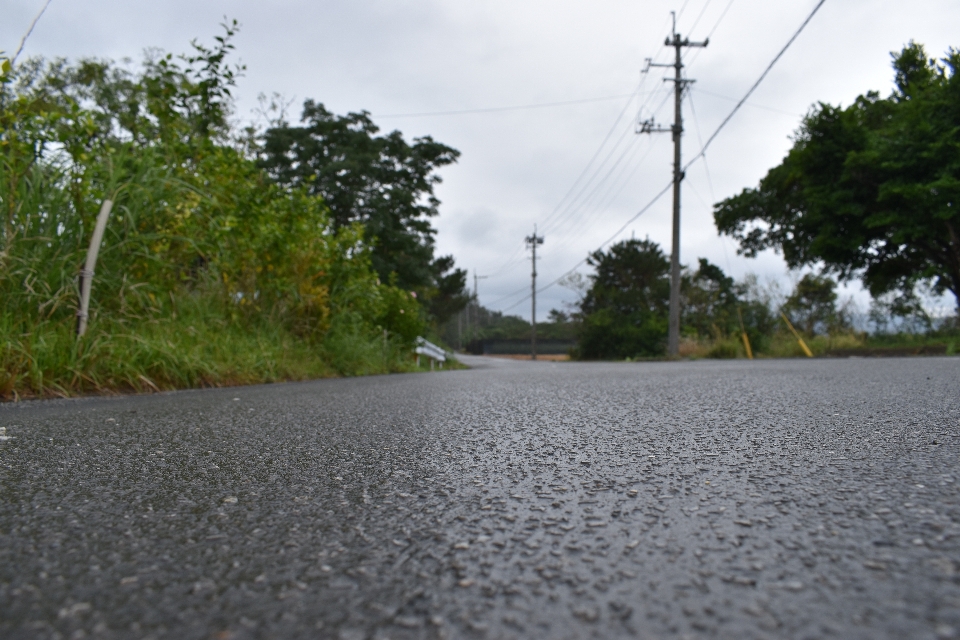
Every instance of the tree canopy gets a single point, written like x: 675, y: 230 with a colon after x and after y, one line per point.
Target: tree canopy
x: 624, y: 312
x: 380, y: 181
x: 812, y: 306
x: 870, y: 190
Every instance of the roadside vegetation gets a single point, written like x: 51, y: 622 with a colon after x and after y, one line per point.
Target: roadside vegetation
x: 622, y: 307
x: 220, y: 264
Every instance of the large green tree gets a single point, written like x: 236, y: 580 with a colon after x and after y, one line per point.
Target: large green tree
x: 624, y: 312
x: 381, y: 181
x: 870, y: 190
x: 813, y: 305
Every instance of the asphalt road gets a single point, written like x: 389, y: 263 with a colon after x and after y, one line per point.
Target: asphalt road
x: 766, y: 499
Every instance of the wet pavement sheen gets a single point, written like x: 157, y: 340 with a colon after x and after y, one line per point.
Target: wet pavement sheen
x: 765, y: 499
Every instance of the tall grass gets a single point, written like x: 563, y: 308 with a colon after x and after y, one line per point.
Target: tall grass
x: 200, y: 344
x: 780, y: 344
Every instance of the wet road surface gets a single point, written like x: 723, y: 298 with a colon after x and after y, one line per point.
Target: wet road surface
x: 767, y: 499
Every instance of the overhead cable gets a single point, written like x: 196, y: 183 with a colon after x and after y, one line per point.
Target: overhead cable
x: 756, y: 84
x: 513, y: 257
x: 699, y: 155
x: 584, y: 203
x: 700, y: 15
x: 565, y: 200
x: 602, y: 245
x: 23, y: 40
x: 541, y: 105
x: 716, y: 24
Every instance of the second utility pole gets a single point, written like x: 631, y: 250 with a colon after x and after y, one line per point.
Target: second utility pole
x: 673, y: 334
x: 476, y: 303
x: 533, y: 241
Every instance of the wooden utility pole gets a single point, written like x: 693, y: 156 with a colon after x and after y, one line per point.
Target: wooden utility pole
x: 533, y: 241
x: 476, y: 303
x: 648, y: 126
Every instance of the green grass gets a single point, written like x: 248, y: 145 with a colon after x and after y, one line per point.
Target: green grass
x: 779, y: 345
x: 933, y: 338
x: 202, y: 344
x: 784, y: 345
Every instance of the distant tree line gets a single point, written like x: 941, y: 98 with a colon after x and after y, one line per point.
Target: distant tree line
x: 624, y: 305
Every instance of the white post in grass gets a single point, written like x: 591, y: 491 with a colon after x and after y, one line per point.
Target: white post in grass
x: 86, y: 276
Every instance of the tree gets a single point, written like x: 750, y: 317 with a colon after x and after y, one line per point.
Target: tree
x: 812, y: 306
x: 895, y: 312
x: 709, y: 300
x: 380, y: 181
x: 872, y: 190
x: 625, y: 309
x: 449, y: 294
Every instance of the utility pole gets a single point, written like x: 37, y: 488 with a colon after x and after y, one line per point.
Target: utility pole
x: 475, y: 278
x: 533, y: 241
x: 476, y: 299
x: 648, y: 126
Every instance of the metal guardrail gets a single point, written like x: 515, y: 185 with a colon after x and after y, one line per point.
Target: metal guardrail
x: 432, y: 351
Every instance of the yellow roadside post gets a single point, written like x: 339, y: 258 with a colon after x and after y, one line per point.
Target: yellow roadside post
x: 743, y: 334
x: 803, y: 345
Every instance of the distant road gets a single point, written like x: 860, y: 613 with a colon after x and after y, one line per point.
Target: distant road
x: 764, y: 499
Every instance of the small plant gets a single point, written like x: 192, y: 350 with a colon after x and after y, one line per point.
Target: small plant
x: 727, y: 348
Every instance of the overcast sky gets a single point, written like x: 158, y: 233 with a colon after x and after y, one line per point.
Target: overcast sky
x: 400, y: 58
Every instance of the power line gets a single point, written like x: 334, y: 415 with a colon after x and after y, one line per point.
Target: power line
x: 618, y: 185
x: 570, y: 208
x: 510, y: 295
x: 756, y: 84
x: 23, y: 40
x: 710, y: 35
x: 566, y: 211
x: 602, y: 245
x: 706, y: 169
x: 599, y: 200
x: 570, y: 212
x: 697, y: 21
x: 700, y: 154
x: 561, y: 205
x: 513, y: 257
x: 583, y: 199
x: 749, y: 104
x: 566, y: 206
x: 719, y: 20
x: 541, y: 105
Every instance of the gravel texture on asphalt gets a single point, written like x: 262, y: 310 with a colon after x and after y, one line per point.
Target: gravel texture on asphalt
x: 764, y: 499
